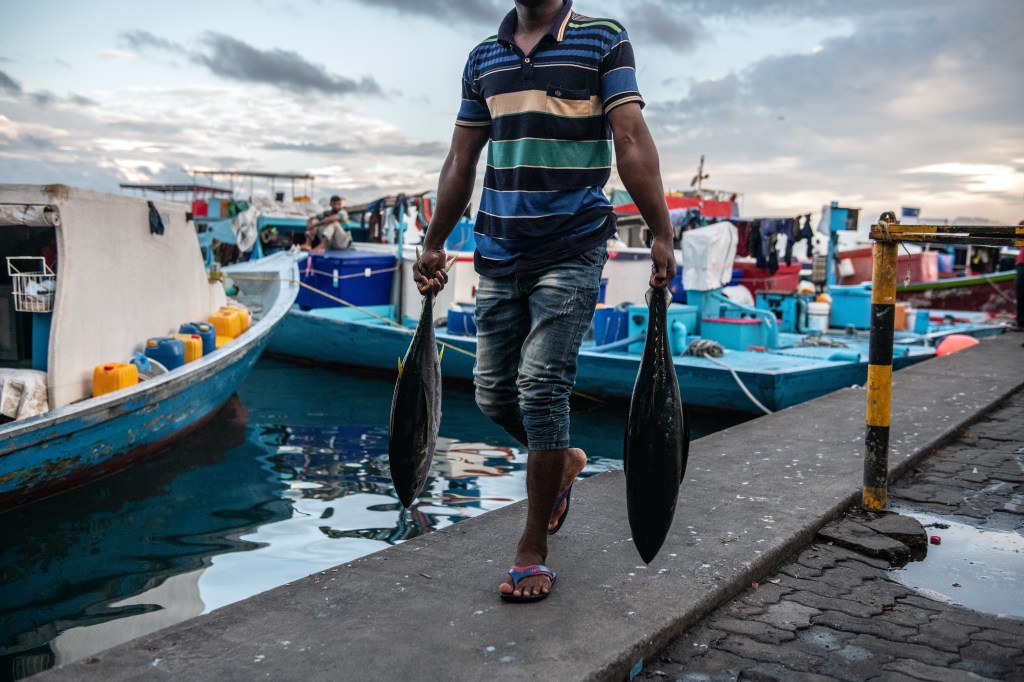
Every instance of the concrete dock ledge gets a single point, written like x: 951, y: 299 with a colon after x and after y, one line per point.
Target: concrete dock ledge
x: 428, y: 609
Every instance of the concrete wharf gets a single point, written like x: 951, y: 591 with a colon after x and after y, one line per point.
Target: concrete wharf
x: 753, y: 500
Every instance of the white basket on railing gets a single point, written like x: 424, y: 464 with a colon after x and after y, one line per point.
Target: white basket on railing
x: 34, y: 284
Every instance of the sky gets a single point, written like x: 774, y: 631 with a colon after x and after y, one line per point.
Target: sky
x: 875, y: 104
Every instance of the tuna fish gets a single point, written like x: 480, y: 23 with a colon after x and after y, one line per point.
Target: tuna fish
x: 657, y: 437
x: 416, y: 410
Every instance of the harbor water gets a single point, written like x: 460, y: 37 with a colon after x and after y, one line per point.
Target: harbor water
x: 288, y: 479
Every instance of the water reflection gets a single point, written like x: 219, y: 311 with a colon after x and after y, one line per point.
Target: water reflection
x: 976, y: 565
x: 289, y: 479
x: 69, y: 562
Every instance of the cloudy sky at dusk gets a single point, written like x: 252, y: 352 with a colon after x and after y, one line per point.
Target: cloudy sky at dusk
x: 794, y: 103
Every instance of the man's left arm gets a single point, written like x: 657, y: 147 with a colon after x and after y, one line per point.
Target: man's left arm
x: 636, y: 157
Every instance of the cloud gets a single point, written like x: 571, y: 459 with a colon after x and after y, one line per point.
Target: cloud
x: 233, y: 59
x: 115, y: 55
x: 329, y: 148
x: 897, y: 91
x: 486, y: 12
x: 361, y: 145
x: 144, y: 40
x: 666, y: 25
x: 9, y: 85
x: 146, y: 135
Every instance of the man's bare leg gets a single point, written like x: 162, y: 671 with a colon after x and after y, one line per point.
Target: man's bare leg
x: 575, y: 461
x: 545, y: 470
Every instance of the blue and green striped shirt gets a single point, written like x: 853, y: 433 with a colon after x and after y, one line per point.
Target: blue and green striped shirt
x: 550, y: 150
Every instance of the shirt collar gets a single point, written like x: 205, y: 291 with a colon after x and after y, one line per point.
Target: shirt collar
x: 507, y: 29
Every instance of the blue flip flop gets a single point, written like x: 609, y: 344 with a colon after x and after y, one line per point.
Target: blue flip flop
x: 520, y: 572
x: 567, y: 496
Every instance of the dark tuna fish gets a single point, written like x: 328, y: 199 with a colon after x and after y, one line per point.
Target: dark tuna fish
x: 657, y: 437
x: 416, y: 410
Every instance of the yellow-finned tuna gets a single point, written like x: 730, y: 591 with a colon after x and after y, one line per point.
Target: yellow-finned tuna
x: 416, y: 410
x: 657, y: 437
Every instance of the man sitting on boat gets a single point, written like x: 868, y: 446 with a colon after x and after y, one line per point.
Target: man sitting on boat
x: 327, y: 230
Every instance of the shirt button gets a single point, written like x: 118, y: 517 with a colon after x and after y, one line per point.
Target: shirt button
x: 527, y: 60
x: 558, y: 93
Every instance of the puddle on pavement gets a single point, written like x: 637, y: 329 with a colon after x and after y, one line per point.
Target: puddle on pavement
x: 978, y: 567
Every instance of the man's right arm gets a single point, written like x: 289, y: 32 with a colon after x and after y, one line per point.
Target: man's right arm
x: 454, y: 190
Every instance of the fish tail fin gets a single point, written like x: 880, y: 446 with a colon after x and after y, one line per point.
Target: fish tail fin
x: 450, y: 263
x: 440, y: 356
x: 399, y: 366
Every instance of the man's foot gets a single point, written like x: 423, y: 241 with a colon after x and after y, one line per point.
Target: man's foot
x: 518, y: 575
x: 574, y: 463
x: 528, y: 586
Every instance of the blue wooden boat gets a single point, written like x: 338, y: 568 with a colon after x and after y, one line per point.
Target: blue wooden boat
x: 748, y: 359
x: 776, y: 378
x: 127, y: 270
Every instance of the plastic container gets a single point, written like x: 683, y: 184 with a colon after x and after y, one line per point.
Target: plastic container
x: 684, y: 315
x: 921, y: 322
x: 356, y: 277
x: 168, y: 351
x: 610, y: 325
x: 461, y: 238
x: 911, y: 319
x: 786, y: 278
x: 193, y: 346
x: 900, y: 319
x: 461, y: 322
x: 851, y: 306
x: 243, y: 314
x: 945, y: 262
x: 817, y: 316
x: 675, y: 287
x: 227, y: 323
x: 113, y: 376
x: 205, y: 331
x: 199, y: 209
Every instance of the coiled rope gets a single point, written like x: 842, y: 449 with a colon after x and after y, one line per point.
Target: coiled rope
x: 706, y: 348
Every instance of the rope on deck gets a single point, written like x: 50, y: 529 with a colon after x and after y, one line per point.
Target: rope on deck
x: 706, y: 348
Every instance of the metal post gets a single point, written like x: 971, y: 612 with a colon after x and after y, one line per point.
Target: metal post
x: 880, y: 350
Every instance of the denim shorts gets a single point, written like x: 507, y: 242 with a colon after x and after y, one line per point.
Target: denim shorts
x: 529, y: 328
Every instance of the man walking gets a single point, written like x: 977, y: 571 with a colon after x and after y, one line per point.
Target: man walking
x: 551, y: 93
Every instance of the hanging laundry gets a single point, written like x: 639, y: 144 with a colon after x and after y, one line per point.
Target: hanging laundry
x: 743, y: 236
x: 754, y: 244
x: 807, y: 233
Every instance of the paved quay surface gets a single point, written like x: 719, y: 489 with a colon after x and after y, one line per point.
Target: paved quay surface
x: 428, y: 609
x: 836, y: 614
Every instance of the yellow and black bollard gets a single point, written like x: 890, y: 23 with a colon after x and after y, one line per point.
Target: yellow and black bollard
x: 880, y: 351
x: 887, y: 234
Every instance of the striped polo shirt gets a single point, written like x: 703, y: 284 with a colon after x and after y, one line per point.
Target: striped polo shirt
x: 550, y: 150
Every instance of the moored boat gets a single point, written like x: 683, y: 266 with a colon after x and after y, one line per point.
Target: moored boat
x: 745, y: 363
x: 127, y: 271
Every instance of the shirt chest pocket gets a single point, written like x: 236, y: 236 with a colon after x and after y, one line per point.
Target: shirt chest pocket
x: 568, y: 102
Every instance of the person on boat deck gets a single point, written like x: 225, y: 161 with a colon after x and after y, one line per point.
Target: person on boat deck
x: 552, y: 113
x: 326, y: 231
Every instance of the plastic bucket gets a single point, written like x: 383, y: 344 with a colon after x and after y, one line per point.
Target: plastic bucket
x: 817, y: 317
x: 609, y: 325
x: 461, y: 323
